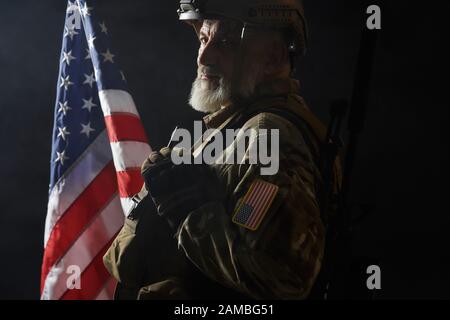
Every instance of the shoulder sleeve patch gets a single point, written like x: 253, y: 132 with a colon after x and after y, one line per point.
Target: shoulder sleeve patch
x: 255, y: 204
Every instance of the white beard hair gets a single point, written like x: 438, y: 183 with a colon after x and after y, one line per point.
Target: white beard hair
x: 209, y: 101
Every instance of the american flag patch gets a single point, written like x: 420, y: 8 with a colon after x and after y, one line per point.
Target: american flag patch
x: 255, y: 204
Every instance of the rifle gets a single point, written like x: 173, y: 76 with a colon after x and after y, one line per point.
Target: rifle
x: 341, y: 272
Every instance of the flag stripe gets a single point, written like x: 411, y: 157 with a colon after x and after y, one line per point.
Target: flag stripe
x: 96, y: 235
x: 271, y: 195
x: 251, y: 194
x: 129, y: 182
x: 129, y: 154
x: 108, y: 290
x: 125, y: 127
x: 268, y: 203
x: 116, y: 101
x: 92, y: 278
x: 75, y: 219
x: 255, y: 194
x: 75, y: 180
x: 256, y: 199
x: 265, y: 194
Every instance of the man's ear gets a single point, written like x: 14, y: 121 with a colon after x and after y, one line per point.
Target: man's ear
x: 277, y: 57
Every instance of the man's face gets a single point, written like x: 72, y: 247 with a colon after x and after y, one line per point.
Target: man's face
x: 219, y: 43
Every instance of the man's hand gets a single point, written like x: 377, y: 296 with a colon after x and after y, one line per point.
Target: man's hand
x: 171, y: 289
x: 176, y: 190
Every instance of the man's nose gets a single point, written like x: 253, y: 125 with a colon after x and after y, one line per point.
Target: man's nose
x: 207, y: 54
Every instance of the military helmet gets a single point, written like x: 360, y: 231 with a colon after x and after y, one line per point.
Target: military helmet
x: 278, y: 14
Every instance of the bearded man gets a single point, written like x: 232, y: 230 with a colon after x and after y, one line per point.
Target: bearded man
x: 236, y: 232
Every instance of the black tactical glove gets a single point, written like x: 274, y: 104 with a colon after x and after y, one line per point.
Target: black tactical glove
x: 176, y: 190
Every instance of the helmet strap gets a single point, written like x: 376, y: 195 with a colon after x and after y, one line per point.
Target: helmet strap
x: 237, y: 71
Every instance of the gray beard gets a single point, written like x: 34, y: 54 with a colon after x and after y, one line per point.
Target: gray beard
x: 211, y: 100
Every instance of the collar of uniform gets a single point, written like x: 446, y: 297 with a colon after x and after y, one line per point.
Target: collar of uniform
x: 273, y: 88
x: 215, y: 119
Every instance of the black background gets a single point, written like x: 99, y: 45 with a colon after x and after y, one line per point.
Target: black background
x: 402, y: 162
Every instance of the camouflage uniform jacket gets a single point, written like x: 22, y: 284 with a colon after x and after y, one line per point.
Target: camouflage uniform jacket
x: 282, y: 257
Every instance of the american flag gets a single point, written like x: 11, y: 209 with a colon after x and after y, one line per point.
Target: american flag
x: 255, y: 204
x: 98, y: 147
